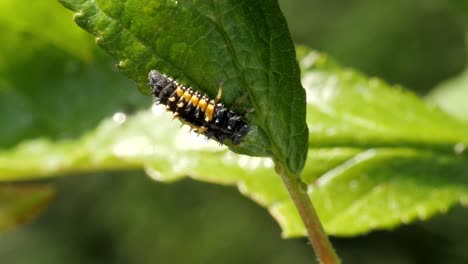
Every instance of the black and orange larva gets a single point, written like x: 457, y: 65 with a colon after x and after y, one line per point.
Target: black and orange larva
x: 205, y: 115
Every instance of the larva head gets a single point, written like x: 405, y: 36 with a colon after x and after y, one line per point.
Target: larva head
x: 241, y: 130
x: 238, y: 127
x: 158, y: 81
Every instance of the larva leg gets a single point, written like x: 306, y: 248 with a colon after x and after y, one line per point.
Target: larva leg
x: 220, y: 91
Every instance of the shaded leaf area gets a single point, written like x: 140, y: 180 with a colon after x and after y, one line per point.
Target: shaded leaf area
x: 53, y: 82
x: 462, y: 7
x: 370, y: 37
x: 48, y: 69
x: 452, y: 96
x: 246, y: 44
x: 368, y: 166
x: 124, y: 217
x: 21, y: 203
x: 32, y: 18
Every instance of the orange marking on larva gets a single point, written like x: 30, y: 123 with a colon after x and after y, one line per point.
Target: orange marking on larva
x: 179, y: 91
x: 194, y: 100
x: 202, y: 105
x: 187, y: 95
x: 210, y: 111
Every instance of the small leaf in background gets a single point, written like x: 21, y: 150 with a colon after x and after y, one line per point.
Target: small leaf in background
x: 246, y: 44
x: 21, y: 203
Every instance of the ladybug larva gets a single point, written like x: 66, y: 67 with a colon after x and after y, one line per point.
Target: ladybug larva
x: 206, y: 116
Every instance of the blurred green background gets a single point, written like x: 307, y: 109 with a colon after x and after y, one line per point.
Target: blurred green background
x: 128, y: 218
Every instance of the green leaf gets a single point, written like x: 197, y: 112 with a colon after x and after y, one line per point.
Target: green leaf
x: 452, y: 96
x: 19, y: 204
x: 392, y: 158
x: 244, y: 43
x: 378, y: 156
x: 47, y: 21
x: 359, y: 111
x: 54, y: 82
x: 461, y: 6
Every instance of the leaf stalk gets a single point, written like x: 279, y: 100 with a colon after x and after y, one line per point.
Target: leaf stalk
x: 315, y: 232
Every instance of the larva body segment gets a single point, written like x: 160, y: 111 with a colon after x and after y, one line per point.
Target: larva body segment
x: 205, y: 115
